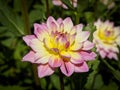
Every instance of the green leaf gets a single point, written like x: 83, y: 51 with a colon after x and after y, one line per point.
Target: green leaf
x: 55, y: 81
x: 98, y: 82
x: 17, y: 5
x: 89, y: 17
x: 91, y: 78
x: 12, y: 88
x: 111, y: 86
x: 10, y: 20
x: 38, y: 13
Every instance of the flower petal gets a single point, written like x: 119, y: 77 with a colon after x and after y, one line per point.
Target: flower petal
x: 43, y: 60
x: 83, y: 67
x: 52, y: 23
x: 55, y: 61
x: 65, y: 54
x: 64, y: 6
x: 88, y: 56
x: 67, y: 68
x: 44, y: 70
x: 38, y: 47
x: 40, y: 30
x: 82, y: 36
x: 76, y: 46
x: 76, y: 58
x: 102, y: 53
x: 112, y: 55
x: 75, y: 55
x: 68, y: 24
x: 59, y: 21
x: 29, y: 57
x: 87, y: 45
x: 79, y: 28
x: 28, y: 39
x: 57, y: 2
x: 118, y: 40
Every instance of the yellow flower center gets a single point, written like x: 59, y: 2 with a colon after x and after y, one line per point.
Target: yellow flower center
x: 107, y: 36
x: 57, y: 42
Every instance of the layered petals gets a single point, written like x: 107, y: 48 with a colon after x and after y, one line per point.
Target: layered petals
x: 106, y: 39
x: 59, y: 44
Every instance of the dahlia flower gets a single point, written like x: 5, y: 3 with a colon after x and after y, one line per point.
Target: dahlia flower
x: 59, y: 44
x: 60, y: 3
x: 107, y: 38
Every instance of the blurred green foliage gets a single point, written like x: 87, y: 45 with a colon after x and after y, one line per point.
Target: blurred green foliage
x: 18, y: 75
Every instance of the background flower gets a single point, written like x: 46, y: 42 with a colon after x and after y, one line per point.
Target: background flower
x: 57, y: 43
x: 106, y: 38
x: 60, y: 3
x: 109, y: 3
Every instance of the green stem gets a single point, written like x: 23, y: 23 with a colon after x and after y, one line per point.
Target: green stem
x: 27, y: 30
x: 47, y: 8
x: 108, y: 65
x: 61, y: 80
x: 76, y: 18
x: 35, y: 73
x: 25, y: 16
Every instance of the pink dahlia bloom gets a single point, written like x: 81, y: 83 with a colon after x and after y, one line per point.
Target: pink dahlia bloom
x: 59, y: 44
x: 60, y: 3
x: 106, y: 38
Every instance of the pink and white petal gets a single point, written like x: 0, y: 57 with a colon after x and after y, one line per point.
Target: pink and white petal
x: 43, y: 60
x: 65, y: 54
x: 51, y: 23
x: 103, y: 54
x: 75, y: 4
x: 44, y: 70
x: 67, y: 68
x: 73, y: 31
x: 112, y: 55
x: 38, y: 55
x: 68, y: 24
x: 118, y: 40
x: 77, y: 61
x: 59, y: 21
x: 38, y: 47
x: 28, y: 39
x: 76, y: 46
x: 114, y: 48
x: 82, y: 36
x: 40, y: 31
x: 98, y: 23
x: 75, y: 55
x: 79, y: 28
x: 87, y: 45
x: 117, y: 31
x: 55, y: 61
x: 29, y: 57
x: 76, y: 58
x: 88, y: 56
x: 83, y: 67
x: 64, y: 6
x: 72, y: 39
x: 57, y: 2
